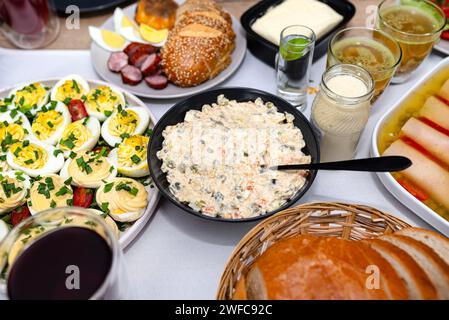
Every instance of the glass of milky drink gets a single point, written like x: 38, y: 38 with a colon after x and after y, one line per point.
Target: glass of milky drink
x: 416, y: 25
x: 341, y: 110
x: 374, y: 50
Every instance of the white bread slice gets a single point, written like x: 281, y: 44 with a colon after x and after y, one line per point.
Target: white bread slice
x: 418, y: 283
x: 435, y: 268
x: 434, y: 240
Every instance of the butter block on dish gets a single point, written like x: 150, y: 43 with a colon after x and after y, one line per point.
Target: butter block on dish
x: 316, y: 15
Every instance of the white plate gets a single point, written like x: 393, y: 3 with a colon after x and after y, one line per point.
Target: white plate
x: 100, y: 56
x: 442, y: 46
x: 127, y: 236
x: 423, y: 211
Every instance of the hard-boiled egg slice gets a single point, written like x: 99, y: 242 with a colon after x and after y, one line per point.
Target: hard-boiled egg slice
x: 79, y: 136
x: 131, y: 156
x: 14, y: 189
x: 125, y: 122
x: 107, y: 39
x: 35, y: 158
x: 124, y: 199
x: 153, y: 36
x: 4, y: 230
x: 102, y: 101
x: 49, y: 191
x: 89, y: 169
x: 30, y: 97
x: 111, y: 223
x: 14, y: 127
x: 126, y: 26
x: 50, y: 122
x: 70, y: 87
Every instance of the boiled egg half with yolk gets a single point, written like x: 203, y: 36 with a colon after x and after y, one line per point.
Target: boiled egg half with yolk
x: 68, y: 88
x: 79, y: 136
x: 14, y: 127
x: 30, y: 97
x: 89, y: 169
x: 14, y: 189
x: 50, y: 122
x: 50, y: 191
x: 131, y: 156
x: 123, y: 123
x: 102, y: 101
x: 124, y: 199
x: 35, y: 158
x: 107, y: 39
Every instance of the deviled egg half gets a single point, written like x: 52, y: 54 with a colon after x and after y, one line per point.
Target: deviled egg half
x: 124, y: 199
x: 35, y: 158
x: 90, y: 169
x: 14, y: 189
x: 131, y: 156
x: 109, y: 221
x: 68, y: 88
x: 50, y: 122
x: 29, y: 97
x: 123, y: 123
x: 102, y: 101
x: 49, y: 191
x: 80, y: 136
x: 14, y: 127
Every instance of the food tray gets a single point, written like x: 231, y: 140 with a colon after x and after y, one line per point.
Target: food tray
x: 266, y: 51
x: 329, y: 219
x: 423, y: 211
x: 127, y: 236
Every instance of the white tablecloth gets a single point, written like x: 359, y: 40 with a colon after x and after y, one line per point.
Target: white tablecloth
x: 179, y: 256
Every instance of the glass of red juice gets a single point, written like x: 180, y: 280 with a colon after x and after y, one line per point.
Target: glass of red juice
x: 28, y: 24
x: 63, y: 254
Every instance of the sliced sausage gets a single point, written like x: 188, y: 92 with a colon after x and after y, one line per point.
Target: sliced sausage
x: 139, y: 52
x: 130, y: 48
x: 150, y: 65
x: 117, y: 61
x: 131, y: 75
x: 157, y: 82
x: 140, y: 61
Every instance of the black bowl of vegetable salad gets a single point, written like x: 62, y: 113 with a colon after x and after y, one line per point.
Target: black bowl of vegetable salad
x: 177, y: 115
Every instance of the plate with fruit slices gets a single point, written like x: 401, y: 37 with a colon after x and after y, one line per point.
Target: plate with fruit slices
x: 115, y: 43
x: 72, y: 141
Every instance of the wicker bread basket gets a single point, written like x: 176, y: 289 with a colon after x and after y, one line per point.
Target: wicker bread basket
x: 347, y: 221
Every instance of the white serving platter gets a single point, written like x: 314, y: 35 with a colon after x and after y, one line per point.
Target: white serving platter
x: 128, y: 235
x: 419, y: 208
x: 100, y: 56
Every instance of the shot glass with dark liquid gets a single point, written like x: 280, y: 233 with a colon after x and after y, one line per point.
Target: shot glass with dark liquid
x: 293, y: 64
x: 62, y: 254
x: 416, y: 25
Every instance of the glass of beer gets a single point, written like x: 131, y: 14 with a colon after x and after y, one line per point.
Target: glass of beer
x: 64, y: 254
x: 373, y: 50
x: 416, y: 25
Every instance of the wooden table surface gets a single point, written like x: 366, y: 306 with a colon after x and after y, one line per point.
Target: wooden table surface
x: 79, y: 39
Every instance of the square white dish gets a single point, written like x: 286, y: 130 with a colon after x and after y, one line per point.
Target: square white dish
x: 402, y: 195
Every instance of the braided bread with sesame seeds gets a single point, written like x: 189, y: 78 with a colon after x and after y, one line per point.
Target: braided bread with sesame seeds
x: 200, y: 45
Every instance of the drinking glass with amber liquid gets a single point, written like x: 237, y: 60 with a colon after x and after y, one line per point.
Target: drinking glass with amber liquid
x: 416, y: 25
x: 374, y: 50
